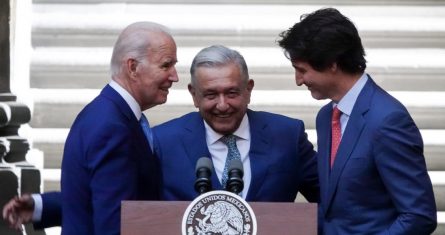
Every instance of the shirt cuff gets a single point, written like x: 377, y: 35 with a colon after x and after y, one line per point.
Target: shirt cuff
x: 38, y: 208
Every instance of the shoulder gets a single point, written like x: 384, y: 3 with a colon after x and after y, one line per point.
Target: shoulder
x: 102, y: 119
x: 385, y: 107
x: 177, y: 126
x: 325, y: 110
x: 390, y: 102
x: 180, y: 121
x: 277, y: 120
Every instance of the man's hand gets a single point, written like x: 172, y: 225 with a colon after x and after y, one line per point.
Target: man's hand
x: 19, y: 211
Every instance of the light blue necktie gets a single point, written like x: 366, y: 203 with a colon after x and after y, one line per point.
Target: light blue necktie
x: 232, y: 154
x: 147, y: 130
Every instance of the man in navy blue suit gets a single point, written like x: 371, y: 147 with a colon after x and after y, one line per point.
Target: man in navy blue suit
x: 277, y: 158
x: 108, y: 156
x: 373, y: 176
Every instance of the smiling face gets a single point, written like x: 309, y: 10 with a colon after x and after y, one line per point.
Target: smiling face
x: 221, y: 94
x: 321, y: 84
x: 154, y: 74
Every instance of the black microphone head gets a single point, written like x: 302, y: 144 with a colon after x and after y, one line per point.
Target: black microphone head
x: 203, y: 173
x: 236, y: 164
x: 204, y: 162
x: 235, y: 182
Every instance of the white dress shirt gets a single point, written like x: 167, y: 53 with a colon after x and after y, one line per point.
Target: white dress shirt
x: 128, y: 99
x: 219, y: 151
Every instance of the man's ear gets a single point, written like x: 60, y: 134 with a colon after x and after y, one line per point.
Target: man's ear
x: 191, y: 89
x: 250, y: 85
x: 193, y: 93
x: 131, y: 67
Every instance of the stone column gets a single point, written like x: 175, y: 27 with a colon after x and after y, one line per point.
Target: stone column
x: 17, y: 176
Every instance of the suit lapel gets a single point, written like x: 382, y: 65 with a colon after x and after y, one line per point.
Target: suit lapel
x: 351, y: 136
x: 258, y: 153
x: 324, y: 146
x: 195, y: 144
x: 111, y: 94
x: 117, y: 99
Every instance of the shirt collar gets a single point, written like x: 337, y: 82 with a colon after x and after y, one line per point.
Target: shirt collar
x: 347, y: 102
x: 242, y: 132
x: 128, y: 99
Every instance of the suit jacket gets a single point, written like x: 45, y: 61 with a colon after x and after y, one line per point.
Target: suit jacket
x: 282, y: 159
x: 106, y: 159
x: 379, y: 182
x: 51, y: 211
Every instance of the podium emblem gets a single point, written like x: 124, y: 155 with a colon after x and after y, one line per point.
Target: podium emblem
x: 219, y: 213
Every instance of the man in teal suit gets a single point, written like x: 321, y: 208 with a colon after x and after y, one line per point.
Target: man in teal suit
x: 373, y: 176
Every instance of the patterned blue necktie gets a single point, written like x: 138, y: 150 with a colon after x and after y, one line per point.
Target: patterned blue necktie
x: 147, y: 130
x: 232, y: 154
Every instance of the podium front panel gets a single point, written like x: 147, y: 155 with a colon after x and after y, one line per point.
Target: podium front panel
x: 165, y: 217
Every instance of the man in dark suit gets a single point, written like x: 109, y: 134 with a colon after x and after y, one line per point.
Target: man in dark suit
x: 278, y: 159
x: 373, y: 176
x: 108, y: 155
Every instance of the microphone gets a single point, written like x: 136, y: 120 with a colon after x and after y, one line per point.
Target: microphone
x: 235, y: 183
x: 203, y: 172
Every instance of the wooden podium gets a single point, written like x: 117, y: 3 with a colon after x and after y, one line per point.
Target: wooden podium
x: 165, y: 217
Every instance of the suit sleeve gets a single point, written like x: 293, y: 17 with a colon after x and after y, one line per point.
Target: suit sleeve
x: 309, y: 185
x: 51, y: 211
x: 398, y: 150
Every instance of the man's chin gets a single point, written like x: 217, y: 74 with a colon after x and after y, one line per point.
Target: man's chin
x: 317, y: 96
x: 223, y: 129
x: 161, y: 100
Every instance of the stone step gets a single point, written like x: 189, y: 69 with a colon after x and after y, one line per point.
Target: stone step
x: 231, y: 24
x: 440, y: 230
x: 438, y: 180
x: 51, y: 142
x: 394, y: 69
x: 295, y: 2
x: 57, y: 108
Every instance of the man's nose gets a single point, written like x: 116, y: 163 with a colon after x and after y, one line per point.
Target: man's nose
x: 222, y: 104
x: 299, y: 79
x: 173, y: 75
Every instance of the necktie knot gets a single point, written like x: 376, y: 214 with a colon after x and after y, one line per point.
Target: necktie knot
x: 229, y: 140
x: 336, y: 113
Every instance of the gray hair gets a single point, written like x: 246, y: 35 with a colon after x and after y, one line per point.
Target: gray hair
x: 215, y: 56
x: 133, y: 42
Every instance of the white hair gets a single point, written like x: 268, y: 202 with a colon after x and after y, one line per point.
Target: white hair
x: 218, y: 55
x: 133, y: 42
